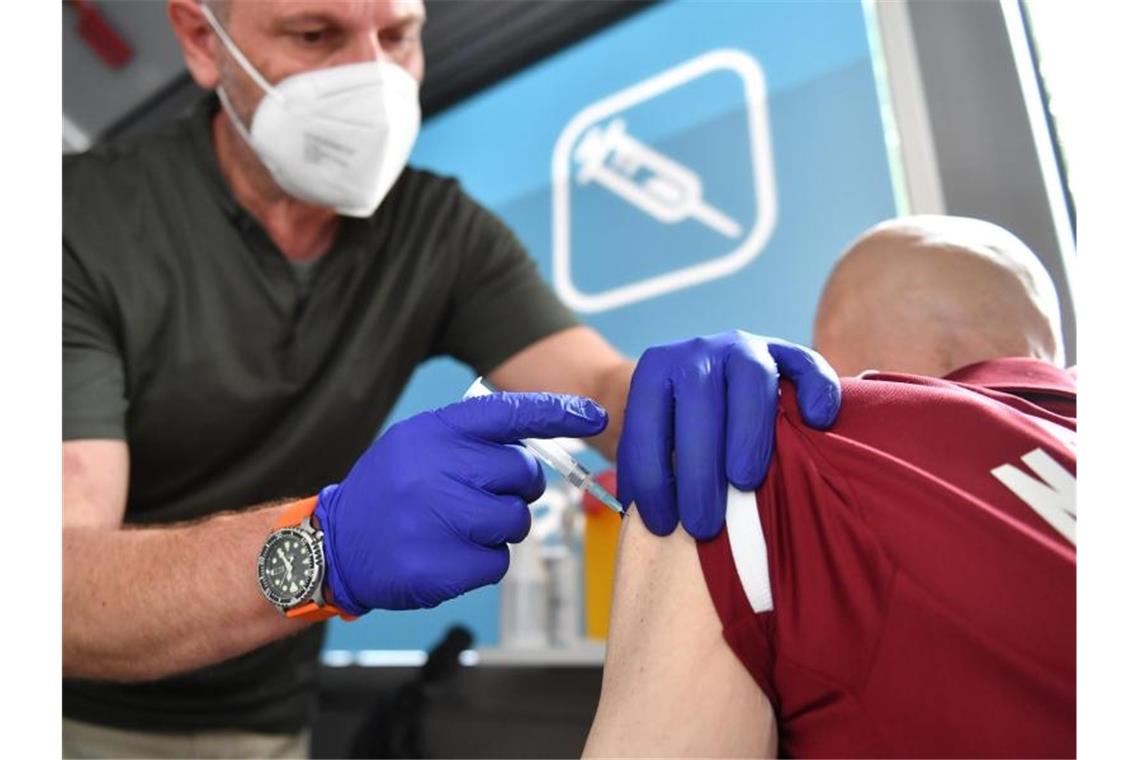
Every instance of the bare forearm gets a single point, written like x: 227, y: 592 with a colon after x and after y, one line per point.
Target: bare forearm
x: 613, y: 390
x: 575, y: 360
x: 143, y: 603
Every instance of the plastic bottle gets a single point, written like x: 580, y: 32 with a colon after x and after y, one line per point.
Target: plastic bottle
x: 524, y: 614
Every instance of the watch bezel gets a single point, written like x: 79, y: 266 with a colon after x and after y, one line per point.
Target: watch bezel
x: 312, y: 543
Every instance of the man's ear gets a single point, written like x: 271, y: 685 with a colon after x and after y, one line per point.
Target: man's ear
x: 195, y: 37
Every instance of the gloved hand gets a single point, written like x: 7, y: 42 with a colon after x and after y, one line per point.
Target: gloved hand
x: 704, y: 410
x: 427, y: 511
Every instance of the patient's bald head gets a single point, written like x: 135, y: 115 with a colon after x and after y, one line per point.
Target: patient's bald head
x: 930, y: 294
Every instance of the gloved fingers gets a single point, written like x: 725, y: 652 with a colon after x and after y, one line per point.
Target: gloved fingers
x: 481, y: 565
x: 432, y: 575
x: 645, y: 451
x: 817, y: 385
x: 753, y: 387
x: 491, y: 520
x: 700, y: 445
x: 509, y: 417
x: 507, y: 469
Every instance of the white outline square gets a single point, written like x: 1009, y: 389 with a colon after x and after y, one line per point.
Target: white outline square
x: 755, y: 99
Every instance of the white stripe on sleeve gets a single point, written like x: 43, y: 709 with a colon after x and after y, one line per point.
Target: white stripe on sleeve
x: 749, y: 551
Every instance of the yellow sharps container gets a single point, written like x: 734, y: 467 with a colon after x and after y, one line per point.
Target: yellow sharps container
x: 599, y: 550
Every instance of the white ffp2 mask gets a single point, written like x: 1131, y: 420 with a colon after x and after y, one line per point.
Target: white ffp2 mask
x: 336, y: 137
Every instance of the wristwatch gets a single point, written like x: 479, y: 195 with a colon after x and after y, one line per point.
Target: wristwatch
x: 291, y: 566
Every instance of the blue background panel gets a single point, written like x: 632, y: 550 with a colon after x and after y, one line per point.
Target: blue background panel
x: 831, y: 179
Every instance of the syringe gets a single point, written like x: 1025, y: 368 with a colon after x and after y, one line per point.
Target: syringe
x: 556, y: 458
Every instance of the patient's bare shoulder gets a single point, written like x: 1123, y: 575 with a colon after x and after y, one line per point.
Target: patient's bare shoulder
x: 672, y: 686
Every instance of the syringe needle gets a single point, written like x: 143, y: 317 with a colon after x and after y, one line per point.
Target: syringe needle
x: 603, y: 496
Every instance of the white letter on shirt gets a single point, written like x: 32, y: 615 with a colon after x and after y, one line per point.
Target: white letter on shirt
x: 1053, y: 495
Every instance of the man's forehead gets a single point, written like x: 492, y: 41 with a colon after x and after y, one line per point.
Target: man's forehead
x: 346, y: 12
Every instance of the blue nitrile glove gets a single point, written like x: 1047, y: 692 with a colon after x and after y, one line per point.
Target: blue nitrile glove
x: 426, y: 513
x: 704, y: 410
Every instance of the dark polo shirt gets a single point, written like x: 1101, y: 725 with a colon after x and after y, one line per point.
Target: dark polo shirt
x: 235, y: 382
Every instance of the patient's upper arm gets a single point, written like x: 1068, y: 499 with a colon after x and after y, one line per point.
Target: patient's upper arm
x: 672, y: 686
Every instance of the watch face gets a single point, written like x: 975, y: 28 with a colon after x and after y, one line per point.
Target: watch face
x: 288, y: 567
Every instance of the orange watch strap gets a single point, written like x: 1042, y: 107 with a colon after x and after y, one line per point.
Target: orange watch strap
x: 297, y: 512
x: 310, y: 611
x: 293, y: 516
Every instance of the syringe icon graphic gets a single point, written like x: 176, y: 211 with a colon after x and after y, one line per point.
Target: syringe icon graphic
x: 654, y: 183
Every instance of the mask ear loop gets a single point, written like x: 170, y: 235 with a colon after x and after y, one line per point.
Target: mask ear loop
x: 238, y: 56
x: 245, y: 135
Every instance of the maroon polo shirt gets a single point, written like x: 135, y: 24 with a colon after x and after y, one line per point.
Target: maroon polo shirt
x: 920, y: 590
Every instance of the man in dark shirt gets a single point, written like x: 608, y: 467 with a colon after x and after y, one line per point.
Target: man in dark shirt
x: 902, y: 585
x: 238, y: 321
